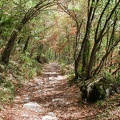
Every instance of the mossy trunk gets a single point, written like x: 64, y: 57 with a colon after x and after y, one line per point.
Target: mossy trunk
x: 94, y: 89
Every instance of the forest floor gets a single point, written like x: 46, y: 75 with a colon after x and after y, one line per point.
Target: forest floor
x: 49, y: 97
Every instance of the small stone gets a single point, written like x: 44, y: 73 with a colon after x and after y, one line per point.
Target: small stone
x: 26, y: 98
x: 50, y: 116
x: 58, y: 102
x: 25, y: 115
x: 33, y: 106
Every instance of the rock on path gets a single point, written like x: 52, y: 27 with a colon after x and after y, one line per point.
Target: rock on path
x: 34, y: 100
x: 48, y: 97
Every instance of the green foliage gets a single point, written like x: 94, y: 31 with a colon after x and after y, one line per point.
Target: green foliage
x: 32, y: 67
x: 1, y: 80
x: 55, y: 38
x: 108, y: 76
x: 6, y: 91
x: 118, y: 78
x: 71, y: 80
x: 67, y: 69
x: 2, y: 68
x: 111, y: 79
x: 13, y: 76
x: 100, y: 103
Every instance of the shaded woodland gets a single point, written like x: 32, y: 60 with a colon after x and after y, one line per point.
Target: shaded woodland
x: 83, y: 36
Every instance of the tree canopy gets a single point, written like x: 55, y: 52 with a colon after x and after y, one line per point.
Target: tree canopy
x: 82, y: 33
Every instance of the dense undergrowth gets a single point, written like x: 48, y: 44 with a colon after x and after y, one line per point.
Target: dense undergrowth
x: 13, y: 76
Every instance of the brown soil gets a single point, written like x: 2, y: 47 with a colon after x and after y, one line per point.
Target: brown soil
x: 51, y: 92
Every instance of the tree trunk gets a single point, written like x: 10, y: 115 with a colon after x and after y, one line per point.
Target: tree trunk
x: 10, y: 45
x: 28, y: 16
x: 76, y: 69
x: 91, y: 61
x: 26, y: 44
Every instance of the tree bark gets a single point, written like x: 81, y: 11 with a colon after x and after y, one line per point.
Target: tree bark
x: 26, y: 44
x: 28, y: 16
x: 10, y: 45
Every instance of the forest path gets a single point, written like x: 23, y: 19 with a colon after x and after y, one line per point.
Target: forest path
x: 48, y: 97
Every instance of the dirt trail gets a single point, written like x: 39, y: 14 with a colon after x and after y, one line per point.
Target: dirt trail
x: 42, y: 98
x: 48, y: 97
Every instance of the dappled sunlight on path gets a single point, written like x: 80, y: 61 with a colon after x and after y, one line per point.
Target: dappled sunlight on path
x: 48, y: 97
x: 42, y: 98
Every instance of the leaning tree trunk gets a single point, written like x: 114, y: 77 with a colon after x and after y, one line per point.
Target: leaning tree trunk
x: 11, y: 42
x: 10, y: 45
x: 28, y: 16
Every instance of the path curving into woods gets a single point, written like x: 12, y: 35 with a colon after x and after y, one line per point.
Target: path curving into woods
x: 48, y: 97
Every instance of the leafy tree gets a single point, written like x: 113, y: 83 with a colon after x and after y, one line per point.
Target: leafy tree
x: 32, y: 12
x: 97, y: 25
x: 86, y: 36
x: 100, y: 38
